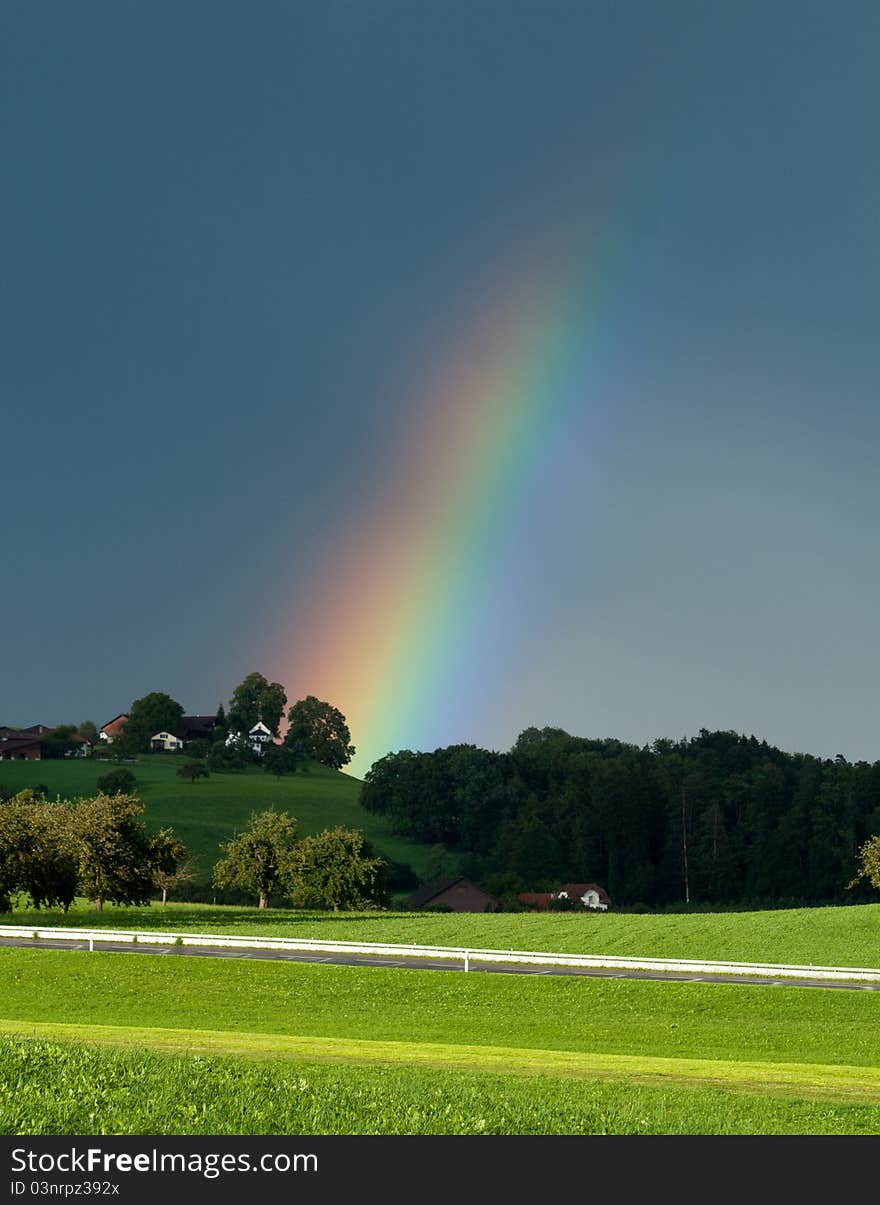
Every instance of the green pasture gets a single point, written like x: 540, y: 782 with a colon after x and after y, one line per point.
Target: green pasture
x: 832, y: 936
x: 50, y: 1087
x: 208, y: 811
x: 117, y: 1043
x: 598, y: 1016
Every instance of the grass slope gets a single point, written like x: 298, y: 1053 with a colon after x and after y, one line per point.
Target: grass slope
x: 186, y: 1045
x: 597, y: 1016
x: 61, y: 1088
x: 211, y: 810
x: 823, y: 936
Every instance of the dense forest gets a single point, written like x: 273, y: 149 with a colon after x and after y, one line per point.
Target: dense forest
x: 719, y: 819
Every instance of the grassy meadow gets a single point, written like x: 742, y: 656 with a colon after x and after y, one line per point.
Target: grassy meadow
x: 208, y: 811
x: 357, y: 1050
x: 51, y: 1087
x: 833, y: 936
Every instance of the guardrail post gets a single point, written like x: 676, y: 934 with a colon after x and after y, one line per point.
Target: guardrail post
x: 91, y: 944
x: 467, y: 961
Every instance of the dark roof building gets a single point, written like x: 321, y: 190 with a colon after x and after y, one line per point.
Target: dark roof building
x: 591, y: 895
x: 17, y: 745
x: 456, y: 893
x: 196, y: 727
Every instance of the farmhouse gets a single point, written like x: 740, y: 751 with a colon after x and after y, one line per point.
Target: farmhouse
x: 109, y: 731
x: 26, y: 744
x: 591, y: 895
x: 258, y: 738
x: 196, y: 727
x: 190, y: 728
x: 165, y: 742
x: 17, y: 744
x: 456, y: 893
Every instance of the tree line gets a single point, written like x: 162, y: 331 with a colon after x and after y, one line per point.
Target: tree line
x: 718, y: 819
x: 100, y: 849
x: 336, y: 868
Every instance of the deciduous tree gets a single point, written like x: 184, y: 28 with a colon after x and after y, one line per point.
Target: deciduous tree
x: 171, y: 863
x: 322, y: 732
x: 88, y: 731
x: 156, y: 712
x: 337, y: 869
x: 59, y: 742
x: 256, y: 699
x: 113, y: 849
x: 281, y: 759
x: 869, y: 863
x: 117, y: 782
x: 259, y: 859
x: 193, y: 770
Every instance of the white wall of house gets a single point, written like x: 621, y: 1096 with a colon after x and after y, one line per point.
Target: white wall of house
x: 167, y: 741
x: 257, y: 738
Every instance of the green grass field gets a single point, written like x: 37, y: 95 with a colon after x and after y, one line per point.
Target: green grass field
x: 211, y: 810
x: 50, y: 1087
x: 822, y: 936
x: 536, y: 1013
x: 432, y: 1052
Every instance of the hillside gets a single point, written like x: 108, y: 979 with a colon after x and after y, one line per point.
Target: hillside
x: 212, y: 810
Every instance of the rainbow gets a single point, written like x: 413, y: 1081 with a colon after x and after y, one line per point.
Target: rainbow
x: 383, y: 634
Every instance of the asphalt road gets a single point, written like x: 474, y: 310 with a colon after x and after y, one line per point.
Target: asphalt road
x: 433, y: 964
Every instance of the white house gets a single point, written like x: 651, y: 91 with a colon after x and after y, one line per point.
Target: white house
x: 589, y: 894
x: 165, y: 742
x: 257, y: 739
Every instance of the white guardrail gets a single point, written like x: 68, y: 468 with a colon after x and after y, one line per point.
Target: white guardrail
x: 466, y: 955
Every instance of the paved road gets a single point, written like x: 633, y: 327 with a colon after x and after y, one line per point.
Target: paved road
x: 434, y: 964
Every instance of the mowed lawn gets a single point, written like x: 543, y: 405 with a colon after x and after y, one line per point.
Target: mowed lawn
x: 835, y: 936
x: 697, y: 1058
x: 51, y: 1087
x: 537, y: 1013
x: 208, y: 811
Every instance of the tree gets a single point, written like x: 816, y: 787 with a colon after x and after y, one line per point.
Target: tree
x: 221, y: 727
x: 170, y: 861
x: 224, y: 757
x: 281, y: 759
x: 117, y: 782
x: 869, y: 863
x: 50, y: 874
x: 337, y: 869
x: 15, y: 843
x: 259, y: 859
x: 156, y: 712
x: 116, y: 860
x: 256, y: 699
x: 193, y: 770
x: 321, y: 730
x: 59, y: 742
x: 88, y: 731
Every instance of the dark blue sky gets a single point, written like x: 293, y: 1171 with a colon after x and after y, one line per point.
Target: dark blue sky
x: 240, y: 238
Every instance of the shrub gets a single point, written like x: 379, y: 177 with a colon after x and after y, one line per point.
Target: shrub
x: 193, y: 770
x: 116, y: 782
